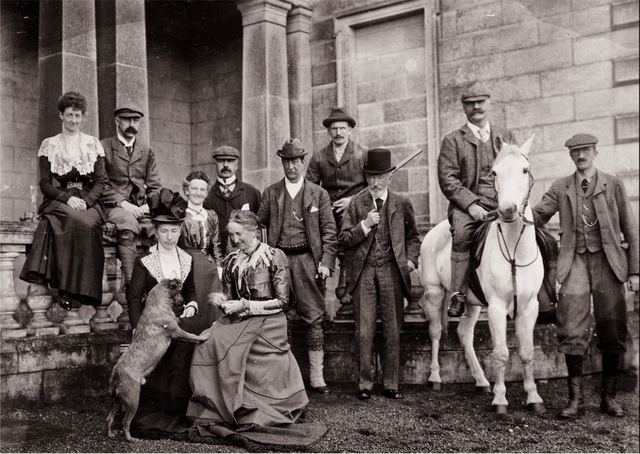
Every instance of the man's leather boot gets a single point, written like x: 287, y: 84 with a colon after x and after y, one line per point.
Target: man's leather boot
x: 608, y: 404
x: 575, y: 407
x: 459, y: 276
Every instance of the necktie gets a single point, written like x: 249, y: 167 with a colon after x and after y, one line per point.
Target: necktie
x: 379, y: 204
x: 225, y: 189
x: 129, y: 150
x: 585, y: 185
x: 484, y: 135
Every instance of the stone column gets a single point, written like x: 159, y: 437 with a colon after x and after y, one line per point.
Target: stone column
x: 413, y: 312
x: 101, y: 320
x: 299, y: 57
x: 122, y: 61
x: 39, y: 300
x: 265, y: 89
x: 66, y: 61
x: 9, y: 300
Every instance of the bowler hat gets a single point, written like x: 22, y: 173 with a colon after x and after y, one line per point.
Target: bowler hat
x: 378, y: 161
x: 476, y: 92
x: 292, y: 149
x: 338, y: 114
x: 167, y: 207
x: 581, y: 140
x: 127, y: 112
x: 226, y: 151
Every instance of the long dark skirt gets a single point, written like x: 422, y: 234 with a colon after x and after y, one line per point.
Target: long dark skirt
x: 245, y: 374
x: 205, y: 274
x: 67, y: 253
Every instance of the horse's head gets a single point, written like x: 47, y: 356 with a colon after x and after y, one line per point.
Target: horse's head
x: 512, y: 178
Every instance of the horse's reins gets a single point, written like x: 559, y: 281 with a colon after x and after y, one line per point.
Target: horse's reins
x: 505, y: 252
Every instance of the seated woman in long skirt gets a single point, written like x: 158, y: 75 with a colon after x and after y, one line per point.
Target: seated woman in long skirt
x: 245, y: 374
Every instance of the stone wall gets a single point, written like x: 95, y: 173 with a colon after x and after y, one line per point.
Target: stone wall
x: 19, y: 112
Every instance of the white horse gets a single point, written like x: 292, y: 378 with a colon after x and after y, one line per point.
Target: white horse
x: 510, y: 248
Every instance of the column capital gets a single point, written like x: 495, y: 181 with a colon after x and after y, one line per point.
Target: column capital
x: 300, y: 19
x: 256, y: 11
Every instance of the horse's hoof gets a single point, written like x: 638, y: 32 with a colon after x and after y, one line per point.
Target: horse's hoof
x: 483, y: 389
x: 500, y: 409
x: 537, y: 408
x: 436, y: 386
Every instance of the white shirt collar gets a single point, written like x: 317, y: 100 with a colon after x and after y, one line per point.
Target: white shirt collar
x: 230, y: 180
x: 340, y: 149
x: 383, y: 197
x: 476, y: 130
x: 197, y: 210
x: 293, y: 188
x: 125, y: 141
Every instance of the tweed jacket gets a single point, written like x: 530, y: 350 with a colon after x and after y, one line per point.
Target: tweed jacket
x: 405, y: 240
x: 242, y: 194
x: 615, y: 218
x: 132, y: 179
x: 318, y: 219
x: 459, y: 166
x: 343, y: 179
x: 146, y: 275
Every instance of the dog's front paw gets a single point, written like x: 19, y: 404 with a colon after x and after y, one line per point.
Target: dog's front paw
x: 204, y: 336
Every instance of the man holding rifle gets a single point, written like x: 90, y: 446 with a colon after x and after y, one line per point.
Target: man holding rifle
x: 381, y: 238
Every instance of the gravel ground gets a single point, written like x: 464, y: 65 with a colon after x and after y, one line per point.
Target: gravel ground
x: 456, y: 419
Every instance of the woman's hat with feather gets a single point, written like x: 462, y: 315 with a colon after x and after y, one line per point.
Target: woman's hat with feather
x: 167, y: 207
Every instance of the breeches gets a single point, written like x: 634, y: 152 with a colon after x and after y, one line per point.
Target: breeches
x: 462, y: 228
x: 126, y: 221
x: 310, y: 292
x: 379, y: 288
x: 591, y: 276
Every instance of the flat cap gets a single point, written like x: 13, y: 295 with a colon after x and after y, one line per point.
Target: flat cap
x: 226, y: 151
x: 476, y: 92
x: 292, y: 149
x: 127, y: 112
x: 581, y: 140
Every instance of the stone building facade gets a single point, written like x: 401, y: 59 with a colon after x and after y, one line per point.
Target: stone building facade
x: 250, y: 73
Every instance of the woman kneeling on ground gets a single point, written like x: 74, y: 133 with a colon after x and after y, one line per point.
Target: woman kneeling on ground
x: 245, y: 374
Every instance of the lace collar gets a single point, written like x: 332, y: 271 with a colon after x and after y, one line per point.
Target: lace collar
x: 64, y: 155
x: 152, y: 263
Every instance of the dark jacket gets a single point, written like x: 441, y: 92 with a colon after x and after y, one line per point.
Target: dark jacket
x: 459, y: 166
x: 132, y: 179
x: 405, y: 240
x: 344, y: 179
x: 615, y: 218
x: 146, y: 275
x: 318, y: 220
x: 242, y: 194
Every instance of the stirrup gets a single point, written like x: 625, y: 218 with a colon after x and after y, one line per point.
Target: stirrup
x: 457, y: 303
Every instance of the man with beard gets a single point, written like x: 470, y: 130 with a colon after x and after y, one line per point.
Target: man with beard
x: 298, y: 216
x: 464, y: 174
x: 133, y: 177
x: 228, y: 193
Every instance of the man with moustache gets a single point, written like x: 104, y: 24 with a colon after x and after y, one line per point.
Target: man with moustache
x: 380, y: 234
x: 593, y: 264
x: 133, y: 178
x: 298, y: 216
x: 338, y: 169
x: 228, y: 193
x: 464, y: 174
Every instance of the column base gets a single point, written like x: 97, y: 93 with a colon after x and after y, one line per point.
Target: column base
x: 44, y: 331
x: 124, y: 326
x: 13, y: 333
x: 104, y: 326
x: 74, y: 329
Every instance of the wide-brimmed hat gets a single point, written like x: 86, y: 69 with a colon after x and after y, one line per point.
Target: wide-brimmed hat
x: 476, y: 92
x: 338, y: 114
x: 292, y: 149
x: 226, y: 151
x: 167, y: 207
x: 581, y: 140
x: 128, y: 112
x: 378, y: 161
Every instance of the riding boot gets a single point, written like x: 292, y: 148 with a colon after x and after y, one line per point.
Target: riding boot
x: 127, y: 253
x: 575, y: 407
x: 459, y: 277
x: 608, y: 404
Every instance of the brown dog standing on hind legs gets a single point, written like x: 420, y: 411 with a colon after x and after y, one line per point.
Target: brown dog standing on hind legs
x: 157, y: 326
